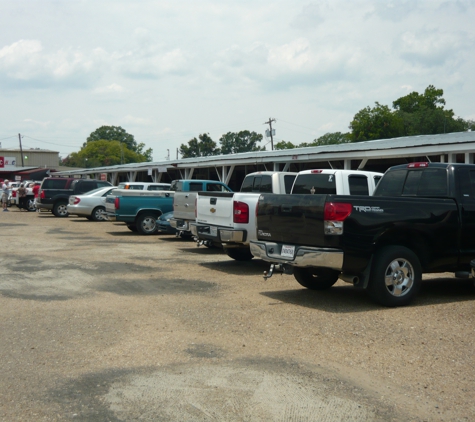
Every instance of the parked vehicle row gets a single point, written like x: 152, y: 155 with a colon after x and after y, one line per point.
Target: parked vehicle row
x: 230, y: 220
x: 378, y: 232
x: 55, y: 192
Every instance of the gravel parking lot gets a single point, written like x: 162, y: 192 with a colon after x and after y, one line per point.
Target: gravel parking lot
x: 100, y: 324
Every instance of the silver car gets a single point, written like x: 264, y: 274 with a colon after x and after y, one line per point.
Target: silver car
x: 91, y: 205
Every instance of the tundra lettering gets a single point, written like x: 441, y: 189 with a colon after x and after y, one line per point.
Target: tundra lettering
x: 366, y: 208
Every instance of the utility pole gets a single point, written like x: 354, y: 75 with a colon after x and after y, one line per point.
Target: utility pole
x: 21, y: 151
x: 270, y: 131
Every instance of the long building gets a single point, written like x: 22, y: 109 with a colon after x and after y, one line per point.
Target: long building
x: 376, y: 155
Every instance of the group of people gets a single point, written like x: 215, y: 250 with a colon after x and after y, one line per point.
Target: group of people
x: 22, y: 193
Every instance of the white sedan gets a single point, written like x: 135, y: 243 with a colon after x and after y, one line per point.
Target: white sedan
x: 91, y: 205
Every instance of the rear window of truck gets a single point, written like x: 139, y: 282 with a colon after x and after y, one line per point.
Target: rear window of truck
x: 216, y: 187
x: 314, y: 183
x: 262, y: 184
x: 358, y: 185
x: 426, y: 182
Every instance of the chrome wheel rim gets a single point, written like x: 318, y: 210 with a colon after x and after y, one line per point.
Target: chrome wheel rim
x: 399, y: 277
x: 100, y: 214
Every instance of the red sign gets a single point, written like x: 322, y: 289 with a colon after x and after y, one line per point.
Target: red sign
x: 2, y: 161
x: 104, y: 176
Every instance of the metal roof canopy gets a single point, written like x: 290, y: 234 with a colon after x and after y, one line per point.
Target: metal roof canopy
x: 410, y: 146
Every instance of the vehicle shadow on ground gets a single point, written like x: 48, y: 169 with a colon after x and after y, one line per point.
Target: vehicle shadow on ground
x: 85, y: 220
x: 231, y: 266
x: 345, y: 299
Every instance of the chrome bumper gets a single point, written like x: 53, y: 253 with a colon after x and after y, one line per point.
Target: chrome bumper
x: 218, y: 234
x: 179, y: 224
x: 304, y: 256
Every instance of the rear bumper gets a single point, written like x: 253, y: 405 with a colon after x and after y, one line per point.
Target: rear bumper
x: 43, y: 206
x: 111, y: 216
x: 304, y: 256
x: 179, y: 224
x: 218, y: 234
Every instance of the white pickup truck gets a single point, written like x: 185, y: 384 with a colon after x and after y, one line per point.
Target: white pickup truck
x: 230, y: 219
x: 184, y: 201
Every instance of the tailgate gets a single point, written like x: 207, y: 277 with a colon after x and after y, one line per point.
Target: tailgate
x: 294, y: 219
x: 184, y: 205
x: 110, y: 204
x: 215, y: 208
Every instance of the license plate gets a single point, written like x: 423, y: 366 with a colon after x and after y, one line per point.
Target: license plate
x: 287, y: 251
x: 213, y: 231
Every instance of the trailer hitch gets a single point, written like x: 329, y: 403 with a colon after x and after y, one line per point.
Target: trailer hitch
x: 273, y: 267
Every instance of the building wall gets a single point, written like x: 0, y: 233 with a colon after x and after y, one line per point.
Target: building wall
x: 33, y: 157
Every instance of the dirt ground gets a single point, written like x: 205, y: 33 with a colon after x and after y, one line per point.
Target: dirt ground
x: 101, y: 324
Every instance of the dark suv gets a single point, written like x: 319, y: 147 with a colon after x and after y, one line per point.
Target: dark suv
x: 55, y: 191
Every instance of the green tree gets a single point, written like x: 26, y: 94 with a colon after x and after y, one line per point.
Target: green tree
x: 116, y: 133
x: 378, y: 122
x: 284, y: 145
x: 202, y: 147
x: 424, y: 114
x: 103, y: 153
x: 328, y: 139
x: 243, y: 141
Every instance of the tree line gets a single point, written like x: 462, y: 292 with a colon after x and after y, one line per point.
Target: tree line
x: 411, y: 115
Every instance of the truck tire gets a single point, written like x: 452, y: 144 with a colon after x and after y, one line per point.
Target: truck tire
x: 60, y: 209
x: 239, y: 254
x: 316, y: 278
x: 147, y: 224
x: 98, y: 214
x: 395, y: 277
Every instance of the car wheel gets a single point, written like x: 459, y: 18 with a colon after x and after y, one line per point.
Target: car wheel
x: 99, y: 214
x: 147, y: 224
x: 60, y: 209
x: 239, y: 254
x: 316, y: 278
x: 395, y: 277
x: 30, y: 205
x: 132, y: 227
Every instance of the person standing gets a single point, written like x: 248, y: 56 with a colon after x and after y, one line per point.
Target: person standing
x: 5, y: 194
x: 22, y: 197
x: 36, y: 190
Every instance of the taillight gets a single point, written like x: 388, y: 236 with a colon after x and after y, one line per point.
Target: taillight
x: 76, y: 200
x: 334, y: 214
x: 418, y: 165
x: 13, y: 193
x: 117, y: 203
x: 42, y: 194
x: 241, y: 212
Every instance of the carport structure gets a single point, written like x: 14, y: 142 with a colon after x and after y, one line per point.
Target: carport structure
x: 375, y: 155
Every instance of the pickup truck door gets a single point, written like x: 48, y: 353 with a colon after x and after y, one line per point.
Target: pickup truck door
x: 465, y: 179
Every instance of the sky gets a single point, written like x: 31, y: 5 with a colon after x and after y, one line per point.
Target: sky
x: 168, y: 71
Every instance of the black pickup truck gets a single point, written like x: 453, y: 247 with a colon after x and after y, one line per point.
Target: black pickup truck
x: 420, y: 219
x: 55, y: 191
